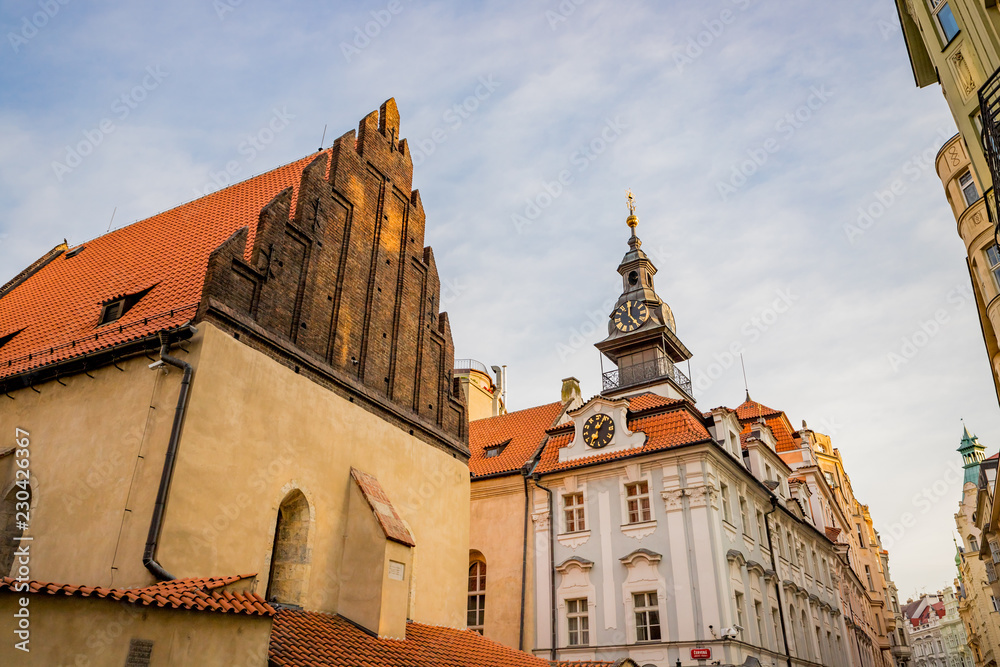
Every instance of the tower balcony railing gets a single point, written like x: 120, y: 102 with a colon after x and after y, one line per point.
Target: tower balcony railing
x: 647, y: 371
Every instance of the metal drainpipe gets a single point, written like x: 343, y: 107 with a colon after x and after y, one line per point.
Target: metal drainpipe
x: 552, y: 566
x: 524, y: 559
x: 777, y: 585
x: 156, y: 523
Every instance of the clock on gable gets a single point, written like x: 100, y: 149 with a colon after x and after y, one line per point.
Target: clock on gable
x: 598, y: 430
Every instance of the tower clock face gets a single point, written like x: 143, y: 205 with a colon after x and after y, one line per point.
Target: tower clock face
x: 598, y: 431
x: 630, y: 316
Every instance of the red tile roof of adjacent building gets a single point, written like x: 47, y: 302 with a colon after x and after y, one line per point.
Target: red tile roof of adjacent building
x: 784, y: 435
x: 310, y: 639
x: 664, y: 430
x: 525, y: 429
x: 644, y: 402
x: 832, y: 532
x: 201, y: 594
x: 57, y: 309
x: 385, y: 513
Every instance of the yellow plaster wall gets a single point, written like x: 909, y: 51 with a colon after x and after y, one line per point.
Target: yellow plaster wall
x: 254, y: 431
x: 96, y: 452
x: 96, y: 632
x: 497, y: 531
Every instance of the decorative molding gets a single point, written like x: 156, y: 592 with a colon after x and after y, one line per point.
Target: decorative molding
x: 573, y: 540
x: 541, y: 520
x: 622, y: 440
x: 637, y: 531
x: 646, y: 554
x: 702, y: 496
x: 672, y: 499
x: 574, y: 561
x: 734, y: 555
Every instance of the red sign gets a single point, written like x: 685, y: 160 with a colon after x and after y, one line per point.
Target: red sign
x: 701, y: 654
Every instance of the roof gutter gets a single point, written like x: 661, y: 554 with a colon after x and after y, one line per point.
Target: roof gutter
x: 156, y: 523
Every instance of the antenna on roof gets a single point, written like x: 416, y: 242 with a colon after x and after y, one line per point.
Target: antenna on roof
x: 745, y: 385
x: 112, y: 218
x: 323, y: 140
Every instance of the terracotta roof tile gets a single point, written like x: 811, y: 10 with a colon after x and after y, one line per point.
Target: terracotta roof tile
x: 385, y: 513
x: 307, y: 639
x: 57, y: 309
x: 752, y: 410
x: 647, y: 401
x: 191, y: 593
x: 525, y: 429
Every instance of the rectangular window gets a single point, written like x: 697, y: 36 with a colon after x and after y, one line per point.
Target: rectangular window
x: 945, y: 19
x: 727, y: 513
x: 758, y: 614
x: 861, y: 535
x: 573, y: 510
x: 776, y: 627
x: 969, y: 191
x: 761, y: 531
x: 578, y: 622
x: 995, y: 551
x: 868, y: 573
x: 647, y: 617
x: 745, y: 517
x: 739, y: 609
x: 637, y: 498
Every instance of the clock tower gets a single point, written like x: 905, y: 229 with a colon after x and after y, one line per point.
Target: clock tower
x: 642, y: 335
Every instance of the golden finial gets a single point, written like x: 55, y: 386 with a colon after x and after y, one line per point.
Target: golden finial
x: 632, y: 220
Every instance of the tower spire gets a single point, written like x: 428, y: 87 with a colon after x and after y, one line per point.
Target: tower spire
x: 632, y: 221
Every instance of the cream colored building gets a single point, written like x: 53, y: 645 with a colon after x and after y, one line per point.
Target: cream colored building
x: 956, y: 43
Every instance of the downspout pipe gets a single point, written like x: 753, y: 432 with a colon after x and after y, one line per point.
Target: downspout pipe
x: 777, y: 584
x: 552, y: 566
x: 156, y: 523
x: 524, y: 559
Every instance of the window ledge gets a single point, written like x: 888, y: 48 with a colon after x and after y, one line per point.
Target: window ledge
x: 639, y: 530
x: 573, y: 540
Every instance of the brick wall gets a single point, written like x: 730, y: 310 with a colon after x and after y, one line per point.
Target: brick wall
x: 347, y: 279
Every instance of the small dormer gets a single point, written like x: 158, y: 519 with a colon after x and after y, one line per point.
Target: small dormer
x: 377, y: 561
x: 726, y: 429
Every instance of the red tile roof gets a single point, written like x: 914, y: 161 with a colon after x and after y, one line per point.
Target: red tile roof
x: 832, y: 532
x: 663, y: 430
x: 525, y: 430
x: 310, y: 639
x: 201, y: 594
x: 647, y: 401
x: 784, y: 435
x: 382, y: 508
x: 57, y: 309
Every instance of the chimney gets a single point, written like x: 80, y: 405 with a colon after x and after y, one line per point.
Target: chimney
x: 571, y: 392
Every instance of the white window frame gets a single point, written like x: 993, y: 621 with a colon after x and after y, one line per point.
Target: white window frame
x: 745, y: 517
x: 644, y: 514
x: 479, y: 594
x: 727, y: 511
x: 645, y: 612
x: 579, y: 512
x: 581, y: 615
x: 964, y: 187
x: 936, y: 6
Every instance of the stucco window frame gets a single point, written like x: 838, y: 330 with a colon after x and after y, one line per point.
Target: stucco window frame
x: 574, y: 584
x: 636, y: 564
x: 639, y: 529
x: 576, y: 538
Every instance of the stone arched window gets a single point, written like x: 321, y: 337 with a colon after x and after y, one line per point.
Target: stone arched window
x: 476, y: 617
x: 12, y: 526
x: 973, y: 544
x: 290, y: 554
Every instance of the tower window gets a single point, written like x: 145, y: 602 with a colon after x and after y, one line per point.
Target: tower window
x: 476, y: 617
x: 633, y: 278
x: 969, y: 191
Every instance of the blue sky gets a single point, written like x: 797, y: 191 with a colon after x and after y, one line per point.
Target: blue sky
x: 815, y: 101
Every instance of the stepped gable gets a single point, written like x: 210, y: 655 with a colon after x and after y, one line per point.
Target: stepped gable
x: 320, y: 263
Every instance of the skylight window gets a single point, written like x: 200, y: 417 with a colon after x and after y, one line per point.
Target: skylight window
x: 495, y: 450
x: 115, y: 309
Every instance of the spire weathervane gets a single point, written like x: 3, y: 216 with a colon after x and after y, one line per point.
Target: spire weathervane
x: 632, y: 221
x: 631, y: 202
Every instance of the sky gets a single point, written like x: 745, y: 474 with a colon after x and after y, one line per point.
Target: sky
x: 780, y: 154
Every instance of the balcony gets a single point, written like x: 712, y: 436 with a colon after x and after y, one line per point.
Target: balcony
x: 901, y: 653
x: 645, y: 372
